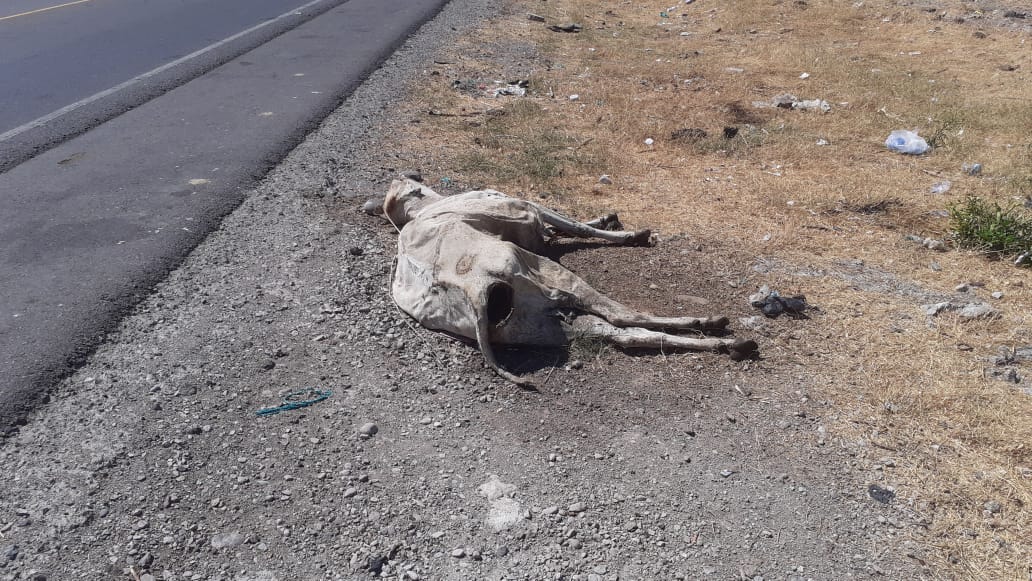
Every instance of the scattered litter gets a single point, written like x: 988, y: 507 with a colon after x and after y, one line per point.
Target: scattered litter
x: 514, y: 90
x: 649, y: 141
x: 823, y: 141
x: 1023, y: 258
x: 535, y: 17
x: 804, y: 76
x: 941, y: 187
x: 1008, y: 374
x: 574, y: 97
x: 904, y: 141
x: 929, y: 243
x: 789, y: 101
x: 966, y: 311
x: 664, y: 15
x: 565, y: 28
x: 730, y: 132
x: 468, y: 86
x: 997, y: 295
x: 972, y: 169
x: 293, y: 401
x: 605, y: 179
x: 735, y: 70
x: 812, y: 105
x: 773, y: 304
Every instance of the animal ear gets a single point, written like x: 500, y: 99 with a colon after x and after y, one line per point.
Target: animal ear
x: 416, y: 193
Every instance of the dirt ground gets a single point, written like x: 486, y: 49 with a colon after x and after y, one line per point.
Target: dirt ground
x: 150, y: 462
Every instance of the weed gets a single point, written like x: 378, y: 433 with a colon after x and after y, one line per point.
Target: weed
x: 988, y: 226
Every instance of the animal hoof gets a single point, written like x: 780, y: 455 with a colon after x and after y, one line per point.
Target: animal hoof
x: 611, y: 222
x: 717, y: 323
x: 743, y: 349
x: 640, y: 238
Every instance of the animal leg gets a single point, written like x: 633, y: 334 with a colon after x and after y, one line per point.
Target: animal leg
x: 580, y: 295
x: 582, y: 230
x: 635, y: 337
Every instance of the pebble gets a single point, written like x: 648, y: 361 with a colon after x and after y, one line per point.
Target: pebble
x: 351, y: 491
x: 726, y: 473
x: 605, y: 180
x: 501, y: 551
x: 227, y: 540
x: 977, y: 311
x: 458, y: 553
x: 576, y: 508
x: 368, y: 430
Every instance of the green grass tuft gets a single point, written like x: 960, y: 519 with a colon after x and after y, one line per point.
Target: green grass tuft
x: 990, y: 227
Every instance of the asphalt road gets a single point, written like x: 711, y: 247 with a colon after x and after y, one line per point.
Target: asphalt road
x: 53, y: 57
x: 92, y: 223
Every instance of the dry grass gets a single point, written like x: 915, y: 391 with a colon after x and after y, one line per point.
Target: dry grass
x: 911, y: 389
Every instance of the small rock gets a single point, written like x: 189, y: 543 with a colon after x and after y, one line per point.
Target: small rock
x: 535, y: 17
x: 997, y: 295
x: 501, y: 551
x: 368, y: 430
x: 373, y: 207
x: 227, y: 540
x: 574, y: 544
x: 576, y: 508
x: 726, y: 473
x: 932, y: 310
x: 458, y: 553
x: 413, y: 174
x: 879, y: 494
x: 356, y: 251
x: 350, y: 492
x: 993, y: 507
x: 649, y: 141
x: 146, y: 560
x: 10, y: 552
x: 977, y: 311
x: 606, y: 180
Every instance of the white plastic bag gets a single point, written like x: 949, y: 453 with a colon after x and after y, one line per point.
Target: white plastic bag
x: 905, y: 141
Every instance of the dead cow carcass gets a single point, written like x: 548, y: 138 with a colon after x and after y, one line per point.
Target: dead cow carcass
x: 469, y: 265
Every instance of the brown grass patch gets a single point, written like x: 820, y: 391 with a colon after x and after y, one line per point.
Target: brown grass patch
x: 816, y: 194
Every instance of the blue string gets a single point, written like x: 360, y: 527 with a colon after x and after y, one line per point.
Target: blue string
x: 290, y: 403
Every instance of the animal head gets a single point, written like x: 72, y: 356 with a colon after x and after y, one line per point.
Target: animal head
x: 405, y: 198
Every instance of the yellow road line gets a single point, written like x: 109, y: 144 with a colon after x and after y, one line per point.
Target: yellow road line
x: 43, y: 9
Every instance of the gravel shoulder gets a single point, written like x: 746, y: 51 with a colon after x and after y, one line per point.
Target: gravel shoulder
x: 150, y: 461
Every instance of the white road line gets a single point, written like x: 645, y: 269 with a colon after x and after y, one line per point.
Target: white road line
x: 78, y: 104
x: 38, y: 10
